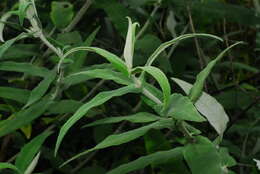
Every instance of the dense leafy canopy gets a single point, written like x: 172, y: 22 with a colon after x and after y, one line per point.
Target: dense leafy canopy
x: 136, y: 86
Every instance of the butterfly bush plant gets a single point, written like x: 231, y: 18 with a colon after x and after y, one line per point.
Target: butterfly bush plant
x: 169, y: 112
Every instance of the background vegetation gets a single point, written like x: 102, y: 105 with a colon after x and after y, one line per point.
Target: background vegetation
x: 38, y: 92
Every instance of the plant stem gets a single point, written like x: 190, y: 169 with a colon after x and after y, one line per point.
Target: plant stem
x: 78, y: 17
x: 157, y: 6
x: 49, y: 45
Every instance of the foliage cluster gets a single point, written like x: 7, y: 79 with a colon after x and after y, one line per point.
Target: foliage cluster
x: 85, y: 90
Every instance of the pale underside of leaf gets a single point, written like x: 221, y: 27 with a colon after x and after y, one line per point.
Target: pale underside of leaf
x: 129, y: 44
x: 33, y: 164
x: 3, y: 19
x: 209, y: 107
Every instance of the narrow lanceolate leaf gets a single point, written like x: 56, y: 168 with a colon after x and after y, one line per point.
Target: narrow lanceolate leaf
x: 9, y: 43
x: 23, y: 5
x: 156, y: 158
x: 24, y: 68
x: 64, y: 107
x: 115, y: 140
x: 81, y: 55
x: 197, y: 88
x: 33, y: 164
x: 96, y: 101
x: 181, y: 108
x: 29, y: 151
x: 23, y: 117
x: 165, y: 45
x: 9, y: 166
x: 106, y: 74
x: 19, y: 95
x: 141, y: 117
x: 3, y: 19
x: 161, y: 79
x: 39, y: 91
x: 129, y: 44
x: 113, y: 59
x: 209, y: 107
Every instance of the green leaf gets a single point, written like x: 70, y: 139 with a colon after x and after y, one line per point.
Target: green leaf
x: 63, y: 107
x: 9, y: 43
x: 23, y: 5
x: 19, y: 95
x: 203, y: 157
x: 161, y: 157
x: 165, y: 45
x: 106, y: 74
x: 61, y: 13
x: 24, y: 68
x: 33, y: 164
x: 38, y: 92
x: 96, y: 101
x: 181, y: 108
x: 141, y: 117
x: 81, y: 55
x: 23, y: 117
x: 21, y: 52
x: 117, y: 139
x: 209, y: 107
x: 226, y: 159
x: 197, y: 88
x: 161, y: 79
x: 129, y: 44
x: 113, y: 59
x: 29, y: 151
x: 3, y: 20
x: 9, y: 166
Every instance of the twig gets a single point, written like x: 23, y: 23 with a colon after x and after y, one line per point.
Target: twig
x: 195, y: 39
x: 148, y: 21
x: 78, y: 16
x: 93, y: 90
x: 239, y: 115
x: 175, y: 45
x: 199, y: 50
